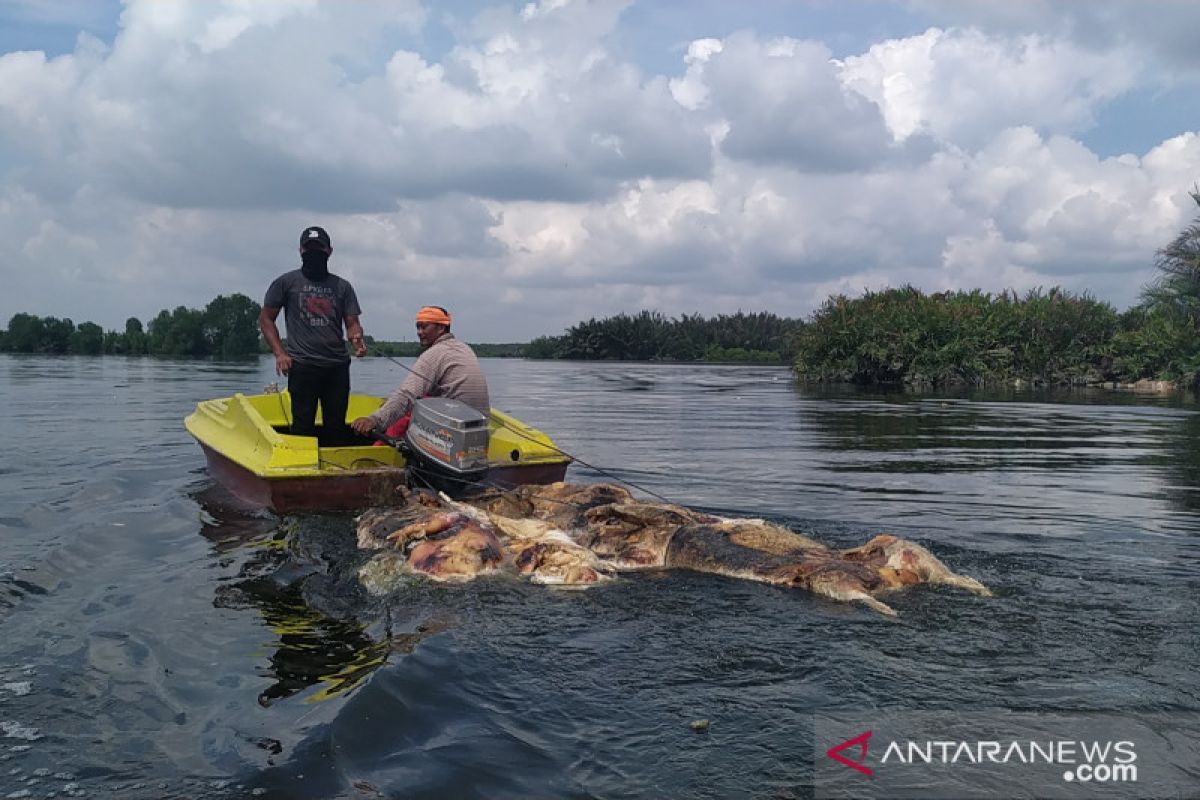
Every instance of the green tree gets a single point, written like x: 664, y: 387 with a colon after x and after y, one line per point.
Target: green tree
x: 56, y: 337
x: 650, y: 336
x: 1161, y: 337
x: 545, y: 347
x: 88, y: 339
x: 231, y: 326
x: 228, y: 328
x: 136, y: 342
x: 905, y: 336
x: 157, y: 332
x: 114, y: 343
x: 25, y: 333
x: 178, y: 333
x: 1177, y: 287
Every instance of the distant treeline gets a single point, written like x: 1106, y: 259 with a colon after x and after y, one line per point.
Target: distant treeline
x: 412, y: 349
x: 758, y: 337
x: 905, y: 336
x: 226, y: 328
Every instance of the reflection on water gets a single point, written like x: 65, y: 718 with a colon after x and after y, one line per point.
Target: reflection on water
x: 158, y: 642
x: 312, y: 649
x: 299, y: 575
x: 1179, y: 463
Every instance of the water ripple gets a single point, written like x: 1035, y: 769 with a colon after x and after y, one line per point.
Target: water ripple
x: 167, y: 642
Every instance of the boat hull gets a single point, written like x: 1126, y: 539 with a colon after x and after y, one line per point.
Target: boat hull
x: 243, y: 441
x: 350, y: 492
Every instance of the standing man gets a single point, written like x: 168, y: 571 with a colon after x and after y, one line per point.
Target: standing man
x: 316, y: 304
x: 447, y: 368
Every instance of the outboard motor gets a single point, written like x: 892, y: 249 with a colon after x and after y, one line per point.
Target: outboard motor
x: 446, y: 445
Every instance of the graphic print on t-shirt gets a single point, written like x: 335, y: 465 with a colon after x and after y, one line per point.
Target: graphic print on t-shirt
x: 316, y: 304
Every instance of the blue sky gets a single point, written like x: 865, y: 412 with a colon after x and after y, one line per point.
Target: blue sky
x: 530, y: 165
x: 54, y: 27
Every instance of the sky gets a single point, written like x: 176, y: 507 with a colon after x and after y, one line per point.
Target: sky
x: 533, y: 165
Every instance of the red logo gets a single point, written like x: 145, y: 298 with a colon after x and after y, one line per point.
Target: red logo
x: 835, y: 753
x: 318, y: 306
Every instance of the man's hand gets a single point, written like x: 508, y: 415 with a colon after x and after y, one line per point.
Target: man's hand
x: 363, y: 425
x: 360, y: 347
x: 283, y: 364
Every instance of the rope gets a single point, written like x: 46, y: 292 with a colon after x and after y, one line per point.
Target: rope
x: 484, y: 484
x: 556, y: 449
x: 282, y: 408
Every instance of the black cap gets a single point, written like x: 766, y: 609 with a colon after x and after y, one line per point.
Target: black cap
x: 315, y: 235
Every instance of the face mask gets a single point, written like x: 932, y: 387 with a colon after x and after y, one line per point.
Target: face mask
x: 315, y: 265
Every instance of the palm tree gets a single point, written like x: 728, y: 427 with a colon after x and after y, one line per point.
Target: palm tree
x: 1177, y: 288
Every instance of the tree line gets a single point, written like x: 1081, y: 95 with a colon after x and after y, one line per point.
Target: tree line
x: 379, y: 347
x: 758, y: 337
x: 226, y: 328
x: 905, y: 336
x: 1044, y: 337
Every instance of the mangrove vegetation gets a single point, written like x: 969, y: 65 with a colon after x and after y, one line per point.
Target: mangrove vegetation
x: 905, y: 336
x: 650, y: 336
x: 1044, y: 337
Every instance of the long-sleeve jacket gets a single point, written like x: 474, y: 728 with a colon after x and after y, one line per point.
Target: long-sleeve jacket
x: 447, y: 368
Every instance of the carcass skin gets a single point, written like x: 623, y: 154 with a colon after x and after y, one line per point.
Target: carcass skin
x: 711, y: 548
x: 438, y: 540
x: 579, y: 535
x: 547, y: 555
x: 634, y: 535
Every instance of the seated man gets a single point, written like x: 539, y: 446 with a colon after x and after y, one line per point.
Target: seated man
x: 446, y: 368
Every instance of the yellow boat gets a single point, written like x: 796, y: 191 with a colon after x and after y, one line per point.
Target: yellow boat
x: 248, y: 452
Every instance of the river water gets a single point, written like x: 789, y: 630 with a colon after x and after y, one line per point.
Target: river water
x: 153, y: 642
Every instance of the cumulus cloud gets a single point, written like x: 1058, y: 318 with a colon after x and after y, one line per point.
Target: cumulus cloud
x: 1162, y: 33
x: 260, y: 96
x: 522, y: 166
x: 963, y: 86
x: 781, y: 101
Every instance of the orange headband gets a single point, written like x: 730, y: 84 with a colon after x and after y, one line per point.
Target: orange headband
x: 434, y: 315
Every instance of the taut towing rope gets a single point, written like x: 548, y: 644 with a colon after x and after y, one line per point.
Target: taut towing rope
x: 523, y: 435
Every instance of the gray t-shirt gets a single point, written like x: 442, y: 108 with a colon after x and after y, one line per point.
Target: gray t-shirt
x: 315, y: 312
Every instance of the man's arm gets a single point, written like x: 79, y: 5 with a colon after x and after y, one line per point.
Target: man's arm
x: 270, y: 332
x: 414, y: 387
x: 354, y: 333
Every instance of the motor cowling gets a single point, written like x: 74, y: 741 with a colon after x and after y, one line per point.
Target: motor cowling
x: 446, y: 445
